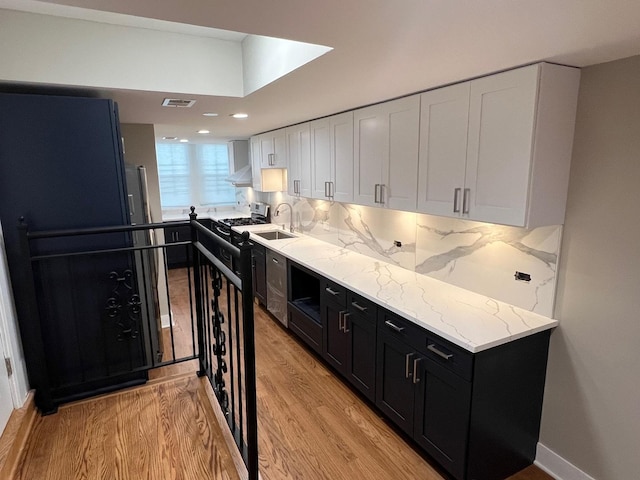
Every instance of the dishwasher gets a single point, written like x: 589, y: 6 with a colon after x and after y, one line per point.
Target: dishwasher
x: 277, y: 286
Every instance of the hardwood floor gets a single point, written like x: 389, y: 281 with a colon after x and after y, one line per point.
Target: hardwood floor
x: 312, y: 426
x: 160, y: 431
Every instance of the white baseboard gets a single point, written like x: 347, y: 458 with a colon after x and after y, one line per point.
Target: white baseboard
x: 558, y: 467
x: 166, y: 320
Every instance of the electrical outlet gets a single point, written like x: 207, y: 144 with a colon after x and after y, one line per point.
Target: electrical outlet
x: 522, y: 277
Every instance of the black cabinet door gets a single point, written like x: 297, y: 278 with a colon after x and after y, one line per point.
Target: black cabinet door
x: 394, y: 385
x: 361, y: 353
x: 442, y: 411
x: 178, y: 255
x: 336, y: 340
x: 259, y: 273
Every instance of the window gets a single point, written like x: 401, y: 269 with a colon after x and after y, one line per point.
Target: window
x: 194, y: 175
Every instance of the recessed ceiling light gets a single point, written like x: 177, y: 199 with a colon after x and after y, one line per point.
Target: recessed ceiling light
x: 210, y: 114
x: 240, y: 115
x: 183, y: 140
x: 204, y: 132
x: 169, y: 138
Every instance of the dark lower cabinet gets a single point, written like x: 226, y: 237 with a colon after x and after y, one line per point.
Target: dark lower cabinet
x: 258, y: 263
x: 349, y: 326
x: 177, y: 255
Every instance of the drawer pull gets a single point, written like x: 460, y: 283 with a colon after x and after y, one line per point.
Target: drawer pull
x: 358, y: 306
x: 393, y: 326
x: 345, y: 319
x: 332, y: 292
x: 407, y: 373
x: 432, y: 348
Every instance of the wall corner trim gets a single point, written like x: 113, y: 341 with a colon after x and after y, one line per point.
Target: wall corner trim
x: 556, y: 466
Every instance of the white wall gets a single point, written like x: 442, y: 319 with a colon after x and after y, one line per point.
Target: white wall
x: 46, y: 49
x: 591, y: 413
x: 8, y: 322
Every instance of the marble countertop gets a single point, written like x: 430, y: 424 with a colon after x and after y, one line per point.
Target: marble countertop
x: 472, y: 321
x: 212, y: 214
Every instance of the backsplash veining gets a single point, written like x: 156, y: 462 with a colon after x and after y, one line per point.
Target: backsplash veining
x: 476, y: 256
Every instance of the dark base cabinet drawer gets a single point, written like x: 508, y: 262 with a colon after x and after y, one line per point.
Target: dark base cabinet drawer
x: 309, y: 331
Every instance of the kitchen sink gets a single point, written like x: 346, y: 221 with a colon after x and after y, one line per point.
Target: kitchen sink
x: 274, y: 235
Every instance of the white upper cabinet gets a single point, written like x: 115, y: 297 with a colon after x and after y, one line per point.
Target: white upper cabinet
x: 518, y: 134
x: 444, y: 119
x: 273, y: 149
x: 386, y: 142
x: 299, y: 160
x: 332, y: 157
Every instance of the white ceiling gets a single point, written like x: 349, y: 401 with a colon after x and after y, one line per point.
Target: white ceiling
x: 382, y: 49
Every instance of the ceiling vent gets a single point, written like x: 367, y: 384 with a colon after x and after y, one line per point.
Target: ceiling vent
x: 177, y: 102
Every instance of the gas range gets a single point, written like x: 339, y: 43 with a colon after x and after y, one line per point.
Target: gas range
x: 239, y: 222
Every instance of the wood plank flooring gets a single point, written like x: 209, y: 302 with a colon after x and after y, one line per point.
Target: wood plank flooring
x: 312, y: 426
x: 162, y: 431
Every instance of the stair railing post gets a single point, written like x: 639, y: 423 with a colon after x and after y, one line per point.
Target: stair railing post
x: 198, y: 293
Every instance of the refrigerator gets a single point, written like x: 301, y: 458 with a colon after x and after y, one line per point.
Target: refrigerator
x: 146, y: 262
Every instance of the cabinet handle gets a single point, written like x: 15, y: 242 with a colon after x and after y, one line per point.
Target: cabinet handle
x: 271, y: 159
x: 331, y: 189
x: 296, y: 187
x: 416, y: 379
x: 340, y: 319
x: 358, y: 306
x: 332, y: 292
x: 393, y: 326
x: 432, y: 348
x: 456, y: 197
x: 345, y: 318
x: 375, y: 193
x: 407, y: 373
x: 326, y: 192
x: 275, y: 260
x: 465, y: 200
x: 382, y: 189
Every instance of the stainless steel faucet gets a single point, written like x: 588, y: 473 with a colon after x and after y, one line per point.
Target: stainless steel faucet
x: 291, y: 229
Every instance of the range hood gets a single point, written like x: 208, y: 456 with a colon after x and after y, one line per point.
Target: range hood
x: 241, y: 178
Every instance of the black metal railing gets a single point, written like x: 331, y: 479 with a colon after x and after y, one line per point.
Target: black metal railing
x: 101, y: 316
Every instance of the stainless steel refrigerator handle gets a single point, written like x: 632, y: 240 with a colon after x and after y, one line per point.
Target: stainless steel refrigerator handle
x: 465, y: 200
x: 432, y: 348
x: 132, y: 210
x: 456, y: 197
x: 407, y: 374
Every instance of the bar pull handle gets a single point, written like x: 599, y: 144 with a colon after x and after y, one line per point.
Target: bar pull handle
x: 408, y: 356
x: 331, y: 189
x: 332, y: 291
x: 382, y: 189
x: 375, y: 193
x: 271, y: 159
x: 358, y: 306
x: 465, y: 200
x: 340, y: 320
x: 326, y: 189
x: 416, y: 379
x: 345, y: 318
x: 432, y: 348
x: 393, y: 326
x: 456, y: 198
x: 275, y: 260
x: 132, y: 209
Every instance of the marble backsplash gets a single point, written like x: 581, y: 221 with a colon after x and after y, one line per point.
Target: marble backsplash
x: 477, y: 256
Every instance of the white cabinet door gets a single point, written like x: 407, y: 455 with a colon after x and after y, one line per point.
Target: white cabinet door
x: 444, y: 118
x: 399, y: 187
x: 499, y: 151
x: 256, y: 177
x: 273, y: 149
x: 341, y: 188
x: 320, y: 132
x: 370, y: 143
x: 299, y: 160
x: 386, y: 154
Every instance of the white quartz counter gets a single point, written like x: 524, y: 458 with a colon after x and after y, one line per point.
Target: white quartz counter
x: 472, y: 321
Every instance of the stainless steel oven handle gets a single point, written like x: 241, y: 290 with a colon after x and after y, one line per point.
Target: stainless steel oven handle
x: 226, y: 234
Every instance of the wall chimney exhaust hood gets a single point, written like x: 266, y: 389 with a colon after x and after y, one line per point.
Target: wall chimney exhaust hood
x: 241, y: 178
